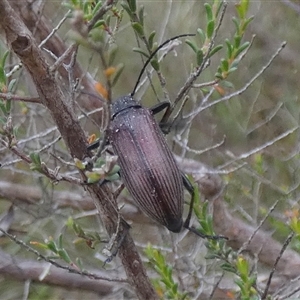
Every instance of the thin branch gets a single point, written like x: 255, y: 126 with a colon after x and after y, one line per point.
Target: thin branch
x: 9, y: 96
x: 246, y: 244
x: 285, y: 244
x: 246, y: 86
x: 55, y: 29
x: 56, y: 264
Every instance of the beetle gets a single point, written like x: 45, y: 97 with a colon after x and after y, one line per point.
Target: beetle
x: 147, y: 166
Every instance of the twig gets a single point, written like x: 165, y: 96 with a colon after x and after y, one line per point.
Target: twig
x: 246, y: 244
x: 54, y: 263
x: 55, y: 29
x: 285, y: 244
x: 9, y: 96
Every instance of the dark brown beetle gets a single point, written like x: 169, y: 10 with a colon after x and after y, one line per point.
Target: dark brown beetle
x: 147, y: 165
x: 148, y: 168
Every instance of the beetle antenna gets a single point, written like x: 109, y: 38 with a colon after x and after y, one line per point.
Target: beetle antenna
x: 153, y: 54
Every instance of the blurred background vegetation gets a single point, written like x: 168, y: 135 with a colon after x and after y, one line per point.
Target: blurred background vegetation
x: 268, y: 109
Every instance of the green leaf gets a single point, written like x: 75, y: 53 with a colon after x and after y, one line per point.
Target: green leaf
x: 241, y: 49
x: 246, y: 23
x: 141, y: 15
x: 229, y: 48
x: 3, y: 107
x: 115, y: 169
x: 215, y: 50
x: 138, y: 28
x: 139, y: 50
x: 35, y: 157
x: 11, y: 85
x: 228, y: 267
x: 60, y: 241
x: 8, y: 106
x: 199, y: 57
x: 225, y: 65
x: 236, y: 23
x: 151, y: 38
x: 64, y: 255
x: 231, y: 70
x: 209, y: 13
x: 193, y: 45
x: 126, y: 7
x: 96, y: 8
x: 201, y: 34
x: 3, y: 61
x: 132, y: 5
x: 210, y: 28
x: 99, y: 23
x: 52, y: 246
x: 113, y: 177
x: 2, y: 76
x: 242, y: 8
x: 154, y: 63
x: 237, y: 41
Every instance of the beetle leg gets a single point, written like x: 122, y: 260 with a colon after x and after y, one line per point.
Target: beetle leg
x: 159, y: 107
x: 163, y: 124
x: 187, y: 184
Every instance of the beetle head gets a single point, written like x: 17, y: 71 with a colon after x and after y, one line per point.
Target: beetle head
x: 123, y: 103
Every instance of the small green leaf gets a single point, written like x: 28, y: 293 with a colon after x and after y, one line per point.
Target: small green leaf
x: 201, y: 34
x: 64, y: 255
x: 3, y: 107
x: 60, y: 241
x: 99, y: 23
x: 154, y: 63
x: 141, y: 15
x: 199, y: 57
x: 138, y: 28
x: 237, y: 41
x: 113, y: 177
x: 209, y: 13
x: 193, y: 45
x: 126, y: 7
x: 210, y: 28
x: 115, y: 169
x: 2, y: 76
x: 242, y: 8
x: 215, y: 50
x: 236, y: 23
x: 79, y: 164
x: 132, y: 5
x: 52, y: 246
x: 242, y: 48
x: 229, y: 48
x: 231, y: 70
x: 225, y: 64
x: 8, y: 106
x: 139, y: 50
x: 35, y: 157
x: 96, y: 8
x: 3, y: 61
x: 246, y: 23
x: 11, y: 85
x: 151, y: 38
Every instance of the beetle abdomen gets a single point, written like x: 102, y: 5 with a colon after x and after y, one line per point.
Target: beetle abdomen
x: 148, y: 168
